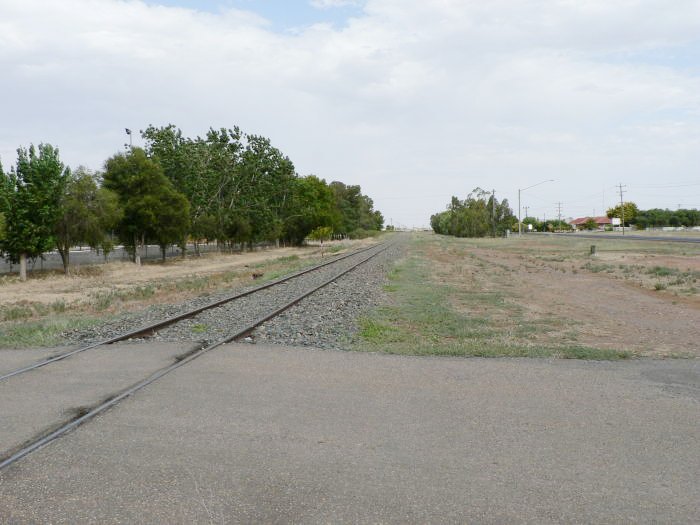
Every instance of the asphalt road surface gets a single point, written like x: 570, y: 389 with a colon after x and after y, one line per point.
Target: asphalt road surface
x: 250, y: 433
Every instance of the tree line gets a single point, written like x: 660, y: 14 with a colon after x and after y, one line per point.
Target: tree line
x: 226, y: 187
x: 479, y: 215
x: 655, y: 217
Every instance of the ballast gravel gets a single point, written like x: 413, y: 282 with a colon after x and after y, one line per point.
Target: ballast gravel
x: 329, y: 318
x: 326, y: 319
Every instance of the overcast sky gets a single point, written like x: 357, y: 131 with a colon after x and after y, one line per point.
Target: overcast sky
x: 415, y: 100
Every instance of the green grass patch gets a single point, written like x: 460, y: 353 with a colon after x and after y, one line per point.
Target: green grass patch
x: 286, y: 259
x: 662, y: 271
x: 14, y: 313
x: 41, y: 333
x: 199, y: 328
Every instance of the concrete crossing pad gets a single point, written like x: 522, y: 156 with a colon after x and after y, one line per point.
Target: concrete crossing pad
x: 249, y: 433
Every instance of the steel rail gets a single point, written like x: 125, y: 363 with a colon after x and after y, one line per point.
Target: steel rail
x: 153, y: 327
x: 45, y: 440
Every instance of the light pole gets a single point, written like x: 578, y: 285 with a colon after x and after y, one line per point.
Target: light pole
x: 520, y: 224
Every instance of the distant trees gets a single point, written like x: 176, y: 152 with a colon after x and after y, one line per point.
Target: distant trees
x: 658, y: 218
x: 32, y: 198
x: 355, y: 211
x: 476, y: 216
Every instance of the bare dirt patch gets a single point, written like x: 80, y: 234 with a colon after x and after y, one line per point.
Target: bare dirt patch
x: 559, y: 293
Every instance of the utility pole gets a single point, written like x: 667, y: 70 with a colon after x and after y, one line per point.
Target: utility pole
x: 520, y: 222
x: 526, y: 208
x: 559, y: 213
x: 622, y: 207
x: 493, y: 212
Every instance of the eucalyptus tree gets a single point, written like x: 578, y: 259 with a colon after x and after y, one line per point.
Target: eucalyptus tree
x: 32, y: 199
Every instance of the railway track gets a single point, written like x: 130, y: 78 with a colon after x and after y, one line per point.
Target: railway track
x: 152, y: 328
x: 287, y: 291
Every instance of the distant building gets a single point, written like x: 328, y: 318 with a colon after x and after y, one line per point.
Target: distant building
x: 602, y: 222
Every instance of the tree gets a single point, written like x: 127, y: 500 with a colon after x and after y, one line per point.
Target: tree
x: 656, y: 218
x: 153, y: 209
x: 356, y: 211
x: 557, y: 225
x: 322, y: 233
x: 239, y: 186
x: 86, y: 213
x: 630, y: 212
x: 474, y: 217
x: 199, y: 169
x: 35, y: 189
x: 311, y: 205
x: 171, y: 211
x: 5, y: 190
x: 590, y: 224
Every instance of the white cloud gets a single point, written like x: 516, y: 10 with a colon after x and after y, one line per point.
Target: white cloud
x: 415, y: 100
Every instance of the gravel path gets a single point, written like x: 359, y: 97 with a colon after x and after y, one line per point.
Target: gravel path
x: 326, y: 320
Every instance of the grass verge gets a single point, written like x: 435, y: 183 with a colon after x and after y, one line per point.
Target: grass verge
x: 424, y: 317
x: 42, y: 332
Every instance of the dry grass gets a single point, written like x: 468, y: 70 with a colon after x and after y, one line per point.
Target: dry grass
x: 537, y: 296
x: 35, y: 313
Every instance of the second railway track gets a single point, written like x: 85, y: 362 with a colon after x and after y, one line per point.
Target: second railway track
x: 238, y: 316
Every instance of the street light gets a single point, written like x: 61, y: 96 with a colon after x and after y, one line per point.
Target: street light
x: 520, y: 224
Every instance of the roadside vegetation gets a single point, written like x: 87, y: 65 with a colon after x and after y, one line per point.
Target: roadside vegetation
x: 461, y: 297
x: 228, y: 187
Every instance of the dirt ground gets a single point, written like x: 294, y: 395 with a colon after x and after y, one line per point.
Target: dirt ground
x: 88, y: 282
x: 637, y: 298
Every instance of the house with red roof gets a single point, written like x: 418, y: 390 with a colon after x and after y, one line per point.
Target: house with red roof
x: 601, y: 222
